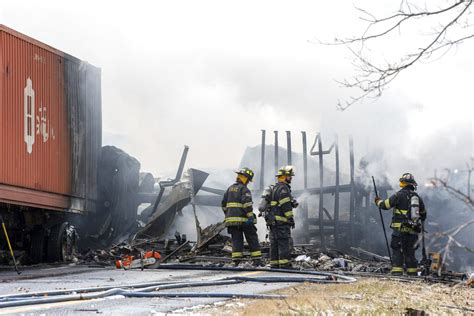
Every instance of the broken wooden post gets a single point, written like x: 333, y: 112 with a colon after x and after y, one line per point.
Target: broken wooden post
x: 352, y: 194
x: 288, y: 148
x: 336, y: 196
x: 276, y: 151
x: 304, y: 204
x: 321, y: 194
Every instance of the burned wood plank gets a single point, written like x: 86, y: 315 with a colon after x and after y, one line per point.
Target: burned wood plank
x: 208, y: 234
x: 177, y: 250
x: 370, y: 254
x: 327, y: 214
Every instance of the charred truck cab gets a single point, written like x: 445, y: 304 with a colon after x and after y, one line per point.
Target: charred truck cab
x: 50, y: 145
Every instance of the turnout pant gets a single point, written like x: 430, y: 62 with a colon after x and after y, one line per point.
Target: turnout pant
x: 237, y: 233
x: 280, y: 246
x: 403, y: 253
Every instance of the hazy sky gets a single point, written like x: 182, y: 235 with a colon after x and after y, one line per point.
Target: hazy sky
x: 212, y: 74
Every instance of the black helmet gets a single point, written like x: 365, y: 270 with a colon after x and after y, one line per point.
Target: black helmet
x: 286, y: 171
x: 408, y: 178
x: 246, y: 172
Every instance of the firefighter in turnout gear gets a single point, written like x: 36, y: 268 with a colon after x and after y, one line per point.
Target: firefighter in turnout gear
x: 277, y: 206
x: 408, y: 212
x: 240, y: 219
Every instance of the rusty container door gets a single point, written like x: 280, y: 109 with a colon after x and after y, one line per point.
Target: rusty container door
x: 50, y: 126
x: 35, y: 149
x: 83, y: 98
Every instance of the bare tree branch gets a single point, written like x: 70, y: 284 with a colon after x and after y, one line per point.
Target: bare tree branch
x: 450, y: 234
x: 458, y: 194
x: 371, y: 78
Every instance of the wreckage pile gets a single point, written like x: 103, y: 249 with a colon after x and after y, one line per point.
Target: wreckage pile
x: 213, y: 249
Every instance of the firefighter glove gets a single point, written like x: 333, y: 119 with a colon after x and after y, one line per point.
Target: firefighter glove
x: 376, y: 200
x: 294, y: 203
x: 291, y: 221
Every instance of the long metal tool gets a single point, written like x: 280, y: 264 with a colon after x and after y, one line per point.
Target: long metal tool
x: 425, y: 261
x: 383, y: 224
x: 423, y: 241
x: 9, y: 244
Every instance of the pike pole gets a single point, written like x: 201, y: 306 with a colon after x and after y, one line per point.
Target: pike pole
x: 9, y: 244
x: 425, y: 261
x: 383, y: 224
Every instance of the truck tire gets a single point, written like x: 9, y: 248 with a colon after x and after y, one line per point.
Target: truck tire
x: 38, y: 245
x: 57, y: 243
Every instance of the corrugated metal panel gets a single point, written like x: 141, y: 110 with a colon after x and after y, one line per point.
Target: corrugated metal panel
x: 77, y: 128
x: 34, y: 128
x: 94, y: 133
x: 83, y: 95
x: 50, y: 124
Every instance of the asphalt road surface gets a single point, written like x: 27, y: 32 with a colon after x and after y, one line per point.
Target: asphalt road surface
x: 70, y: 277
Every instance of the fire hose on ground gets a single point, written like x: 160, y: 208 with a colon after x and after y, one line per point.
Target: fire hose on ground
x: 151, y: 289
x: 330, y: 277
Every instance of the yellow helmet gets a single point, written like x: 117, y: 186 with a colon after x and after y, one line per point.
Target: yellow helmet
x: 246, y: 172
x: 286, y: 171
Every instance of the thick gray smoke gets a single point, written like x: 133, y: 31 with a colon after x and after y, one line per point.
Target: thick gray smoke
x: 186, y: 224
x: 446, y: 213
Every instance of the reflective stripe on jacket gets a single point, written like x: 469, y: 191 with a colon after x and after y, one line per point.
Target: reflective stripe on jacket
x: 400, y: 202
x: 280, y: 206
x: 237, y: 204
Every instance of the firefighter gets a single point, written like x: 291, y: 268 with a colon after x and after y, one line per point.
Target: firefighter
x: 408, y: 212
x: 240, y: 219
x: 277, y: 205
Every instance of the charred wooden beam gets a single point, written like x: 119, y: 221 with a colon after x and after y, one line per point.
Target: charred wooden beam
x: 288, y: 148
x: 276, y: 151
x: 336, y: 195
x: 262, y: 161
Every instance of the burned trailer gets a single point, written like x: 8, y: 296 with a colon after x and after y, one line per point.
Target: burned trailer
x: 50, y: 143
x: 118, y: 189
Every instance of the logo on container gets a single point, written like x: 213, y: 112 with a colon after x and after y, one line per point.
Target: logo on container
x: 34, y: 124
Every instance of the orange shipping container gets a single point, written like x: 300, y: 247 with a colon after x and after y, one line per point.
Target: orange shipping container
x: 50, y: 126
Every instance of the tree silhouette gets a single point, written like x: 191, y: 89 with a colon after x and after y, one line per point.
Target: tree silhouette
x: 450, y: 25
